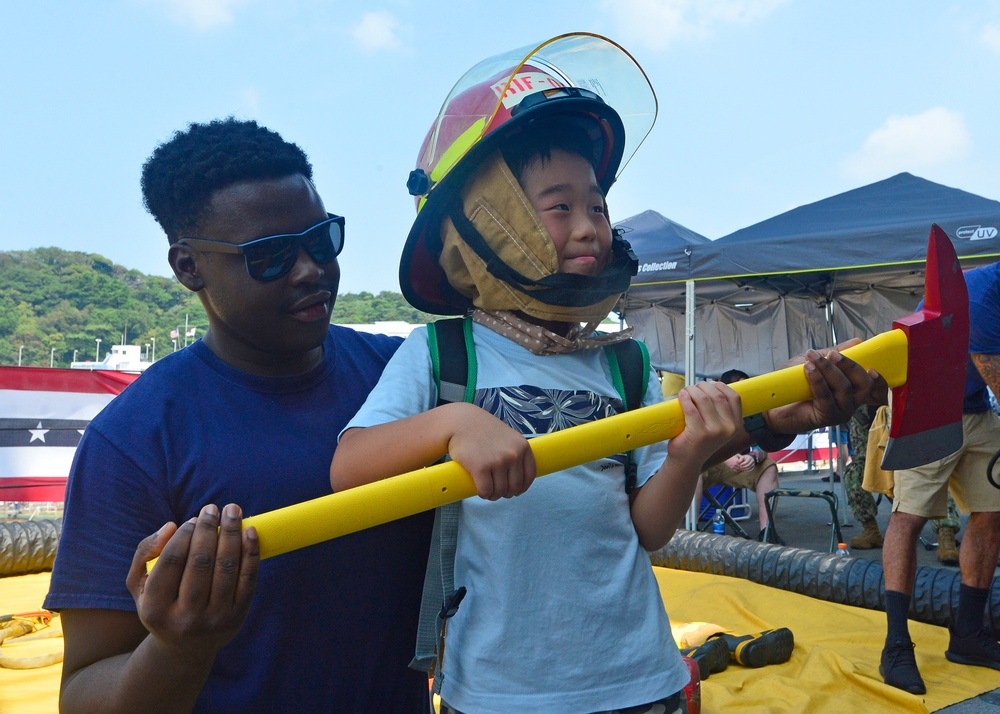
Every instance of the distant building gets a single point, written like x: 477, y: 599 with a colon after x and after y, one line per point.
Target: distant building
x: 121, y: 358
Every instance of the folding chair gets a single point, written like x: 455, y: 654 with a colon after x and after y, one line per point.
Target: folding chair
x: 771, y: 504
x: 711, y: 494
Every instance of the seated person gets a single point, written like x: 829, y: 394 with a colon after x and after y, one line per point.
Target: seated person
x: 752, y: 468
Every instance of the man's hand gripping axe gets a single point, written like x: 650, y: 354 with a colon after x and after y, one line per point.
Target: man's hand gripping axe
x: 923, y: 359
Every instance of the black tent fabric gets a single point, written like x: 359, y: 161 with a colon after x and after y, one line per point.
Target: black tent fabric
x: 668, y: 245
x: 844, y: 266
x: 884, y: 223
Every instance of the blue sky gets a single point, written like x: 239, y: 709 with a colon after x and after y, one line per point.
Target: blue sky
x: 764, y: 104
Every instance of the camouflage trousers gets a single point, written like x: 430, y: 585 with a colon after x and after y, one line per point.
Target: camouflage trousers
x: 861, y: 502
x: 952, y: 520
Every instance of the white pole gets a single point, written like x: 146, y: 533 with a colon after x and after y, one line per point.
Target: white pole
x: 98, y: 358
x: 52, y: 357
x: 20, y: 351
x: 153, y: 339
x: 690, y: 377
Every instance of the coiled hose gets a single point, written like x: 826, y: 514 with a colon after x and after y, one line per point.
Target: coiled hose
x: 28, y: 546
x: 825, y: 576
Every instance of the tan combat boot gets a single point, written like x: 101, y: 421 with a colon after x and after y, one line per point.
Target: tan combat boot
x: 947, y: 549
x: 869, y: 538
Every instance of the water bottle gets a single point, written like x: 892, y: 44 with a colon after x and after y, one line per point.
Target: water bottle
x: 842, y: 550
x: 718, y: 523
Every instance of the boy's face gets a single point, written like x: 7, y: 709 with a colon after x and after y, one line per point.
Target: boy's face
x: 565, y: 194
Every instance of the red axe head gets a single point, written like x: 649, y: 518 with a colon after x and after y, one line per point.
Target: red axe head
x: 927, y: 409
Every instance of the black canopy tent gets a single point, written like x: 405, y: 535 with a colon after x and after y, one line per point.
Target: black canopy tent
x: 844, y: 266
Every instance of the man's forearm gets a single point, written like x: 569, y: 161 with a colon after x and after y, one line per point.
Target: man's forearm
x: 989, y: 368
x: 143, y: 680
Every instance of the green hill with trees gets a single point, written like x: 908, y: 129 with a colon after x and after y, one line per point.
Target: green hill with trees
x: 56, y: 303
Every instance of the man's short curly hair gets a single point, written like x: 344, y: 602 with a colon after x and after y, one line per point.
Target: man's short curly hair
x: 181, y: 175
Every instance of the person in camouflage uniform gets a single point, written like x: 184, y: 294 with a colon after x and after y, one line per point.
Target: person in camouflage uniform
x: 861, y: 502
x: 946, y: 530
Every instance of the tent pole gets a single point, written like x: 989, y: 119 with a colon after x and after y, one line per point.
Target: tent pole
x: 691, y: 520
x: 831, y: 336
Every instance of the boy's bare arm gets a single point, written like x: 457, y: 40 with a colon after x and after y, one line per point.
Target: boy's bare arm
x: 497, y: 457
x: 712, y: 415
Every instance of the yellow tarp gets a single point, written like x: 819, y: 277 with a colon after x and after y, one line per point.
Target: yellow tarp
x: 833, y: 669
x: 28, y: 691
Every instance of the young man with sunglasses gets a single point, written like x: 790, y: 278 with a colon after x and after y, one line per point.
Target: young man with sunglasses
x: 245, y: 416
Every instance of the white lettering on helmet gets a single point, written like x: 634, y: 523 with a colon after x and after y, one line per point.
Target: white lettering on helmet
x: 523, y: 84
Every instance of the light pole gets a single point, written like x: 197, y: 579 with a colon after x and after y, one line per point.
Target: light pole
x: 98, y: 339
x: 52, y: 357
x: 147, y: 352
x: 153, y: 340
x: 74, y: 354
x: 20, y: 351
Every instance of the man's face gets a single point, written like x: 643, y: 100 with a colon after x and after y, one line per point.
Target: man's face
x: 274, y: 327
x: 565, y: 195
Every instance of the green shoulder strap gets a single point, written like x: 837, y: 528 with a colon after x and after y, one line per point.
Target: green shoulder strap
x: 629, y: 363
x: 453, y: 359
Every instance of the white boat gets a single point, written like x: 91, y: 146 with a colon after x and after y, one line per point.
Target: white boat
x: 121, y: 358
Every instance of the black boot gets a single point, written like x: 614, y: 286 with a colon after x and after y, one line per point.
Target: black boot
x: 767, y: 647
x: 712, y: 657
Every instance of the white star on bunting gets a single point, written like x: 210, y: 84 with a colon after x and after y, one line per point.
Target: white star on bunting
x: 38, y: 434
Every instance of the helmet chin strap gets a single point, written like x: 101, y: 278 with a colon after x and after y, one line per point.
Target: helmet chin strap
x: 558, y: 289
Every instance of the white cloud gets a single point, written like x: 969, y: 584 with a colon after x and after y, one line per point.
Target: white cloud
x: 990, y: 38
x: 376, y: 31
x: 658, y: 23
x: 202, y: 14
x: 908, y: 143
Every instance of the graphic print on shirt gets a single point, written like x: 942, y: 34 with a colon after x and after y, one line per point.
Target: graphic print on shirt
x: 532, y: 410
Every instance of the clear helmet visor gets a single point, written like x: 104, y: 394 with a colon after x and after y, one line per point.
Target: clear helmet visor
x: 489, y: 94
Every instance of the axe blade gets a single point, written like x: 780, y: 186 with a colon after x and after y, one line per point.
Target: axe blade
x: 926, y: 420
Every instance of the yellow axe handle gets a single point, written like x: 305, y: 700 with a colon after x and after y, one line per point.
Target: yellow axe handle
x: 338, y: 514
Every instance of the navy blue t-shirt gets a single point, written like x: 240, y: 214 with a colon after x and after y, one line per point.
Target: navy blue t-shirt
x: 332, y: 626
x: 984, y: 330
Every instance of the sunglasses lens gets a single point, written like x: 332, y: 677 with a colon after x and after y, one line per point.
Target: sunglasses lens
x: 270, y: 259
x: 323, y: 243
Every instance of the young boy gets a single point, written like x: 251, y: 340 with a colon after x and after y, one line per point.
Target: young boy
x: 563, y: 612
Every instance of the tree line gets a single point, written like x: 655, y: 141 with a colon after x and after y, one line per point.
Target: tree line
x: 55, y: 304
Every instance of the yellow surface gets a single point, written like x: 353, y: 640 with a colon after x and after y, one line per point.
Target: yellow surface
x: 28, y: 691
x: 834, y: 667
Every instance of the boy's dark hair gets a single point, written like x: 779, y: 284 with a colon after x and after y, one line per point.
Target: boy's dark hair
x: 541, y: 138
x: 181, y: 174
x: 733, y: 375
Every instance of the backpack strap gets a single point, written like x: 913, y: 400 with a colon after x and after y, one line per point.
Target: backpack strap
x: 629, y: 363
x: 453, y: 359
x: 455, y: 374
